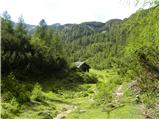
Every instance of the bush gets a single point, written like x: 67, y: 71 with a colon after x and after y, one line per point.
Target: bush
x: 104, y: 94
x: 88, y: 78
x: 12, y: 88
x: 10, y: 109
x: 37, y: 93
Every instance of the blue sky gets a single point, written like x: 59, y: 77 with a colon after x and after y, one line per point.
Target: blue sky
x: 67, y: 11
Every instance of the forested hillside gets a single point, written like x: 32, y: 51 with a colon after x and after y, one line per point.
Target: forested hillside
x: 112, y: 38
x: 40, y: 80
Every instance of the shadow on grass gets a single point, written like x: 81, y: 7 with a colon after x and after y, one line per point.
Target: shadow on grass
x: 70, y: 81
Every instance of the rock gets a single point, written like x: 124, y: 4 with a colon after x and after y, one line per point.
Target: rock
x: 82, y: 111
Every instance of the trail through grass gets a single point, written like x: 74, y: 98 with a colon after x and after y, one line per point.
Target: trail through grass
x: 87, y: 109
x: 58, y: 101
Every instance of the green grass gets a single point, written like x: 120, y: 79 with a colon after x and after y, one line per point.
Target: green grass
x: 57, y: 96
x: 127, y: 111
x: 87, y: 108
x: 88, y: 114
x: 53, y: 96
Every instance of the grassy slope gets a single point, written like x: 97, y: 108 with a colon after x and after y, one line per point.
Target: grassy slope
x: 87, y: 109
x: 57, y: 101
x: 59, y: 96
x: 56, y: 96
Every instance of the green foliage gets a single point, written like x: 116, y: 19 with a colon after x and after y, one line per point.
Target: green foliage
x: 129, y: 47
x: 106, y: 90
x: 37, y: 93
x: 103, y: 49
x: 40, y: 53
x: 14, y: 94
x: 151, y: 104
x: 9, y: 110
x: 88, y: 78
x: 48, y: 53
x: 11, y: 88
x: 130, y: 111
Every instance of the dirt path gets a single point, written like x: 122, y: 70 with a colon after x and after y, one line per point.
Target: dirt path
x: 144, y: 111
x: 71, y: 108
x: 118, y: 94
x: 63, y: 114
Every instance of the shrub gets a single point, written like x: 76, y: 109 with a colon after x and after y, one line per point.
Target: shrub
x: 10, y: 109
x: 88, y: 78
x: 11, y: 87
x: 104, y: 94
x: 37, y: 93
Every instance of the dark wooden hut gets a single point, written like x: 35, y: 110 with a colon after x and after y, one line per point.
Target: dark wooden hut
x: 82, y: 66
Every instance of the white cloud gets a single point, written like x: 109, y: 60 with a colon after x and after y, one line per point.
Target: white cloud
x: 66, y: 11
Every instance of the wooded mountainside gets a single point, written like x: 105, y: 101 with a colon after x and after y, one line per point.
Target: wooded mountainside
x: 37, y: 65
